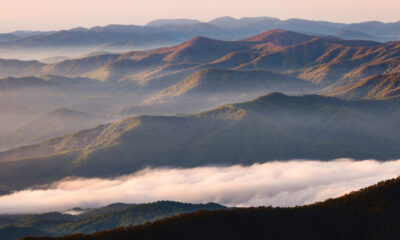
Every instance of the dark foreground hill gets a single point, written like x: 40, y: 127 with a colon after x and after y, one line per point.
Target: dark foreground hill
x: 273, y: 127
x: 370, y: 213
x: 13, y: 227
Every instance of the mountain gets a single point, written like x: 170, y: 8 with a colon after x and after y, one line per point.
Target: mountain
x: 167, y: 32
x: 273, y: 127
x: 15, y: 233
x: 132, y: 215
x: 92, y: 220
x: 324, y: 61
x: 219, y: 81
x: 6, y: 37
x: 52, y: 124
x: 355, y: 35
x: 376, y: 28
x: 45, y: 93
x: 279, y: 37
x: 25, y: 103
x: 320, y: 60
x: 49, y: 92
x: 45, y: 82
x: 369, y: 213
x: 55, y: 59
x: 230, y: 84
x: 210, y: 88
x: 261, y: 24
x: 17, y: 68
x: 385, y: 86
x: 166, y: 22
x: 14, y: 113
x: 245, y: 26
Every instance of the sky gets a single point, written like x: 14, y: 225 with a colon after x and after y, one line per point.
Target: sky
x: 66, y: 14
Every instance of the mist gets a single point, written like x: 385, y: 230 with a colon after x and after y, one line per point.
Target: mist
x: 50, y: 55
x: 291, y: 183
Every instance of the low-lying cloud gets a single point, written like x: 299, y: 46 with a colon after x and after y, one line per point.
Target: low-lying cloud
x: 277, y: 184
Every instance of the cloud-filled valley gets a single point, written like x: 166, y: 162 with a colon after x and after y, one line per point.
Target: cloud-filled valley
x: 291, y: 183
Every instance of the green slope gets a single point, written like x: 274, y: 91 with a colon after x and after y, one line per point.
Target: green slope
x: 115, y: 215
x: 133, y: 215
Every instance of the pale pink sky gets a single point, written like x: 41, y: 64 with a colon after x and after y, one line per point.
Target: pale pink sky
x: 61, y: 14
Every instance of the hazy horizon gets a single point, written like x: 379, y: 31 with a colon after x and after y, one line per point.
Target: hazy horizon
x: 46, y: 15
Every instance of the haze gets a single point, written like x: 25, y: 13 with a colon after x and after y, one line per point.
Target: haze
x: 61, y: 14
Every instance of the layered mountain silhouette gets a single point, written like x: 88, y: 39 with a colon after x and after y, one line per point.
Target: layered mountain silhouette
x: 52, y: 124
x: 14, y: 113
x: 219, y: 82
x: 318, y: 60
x: 273, y: 127
x: 209, y: 88
x: 110, y: 101
x: 136, y: 82
x: 173, y: 31
x: 194, y: 76
x: 369, y: 213
x: 14, y: 227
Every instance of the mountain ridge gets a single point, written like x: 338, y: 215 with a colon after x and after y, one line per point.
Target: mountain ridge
x: 273, y: 127
x: 14, y: 227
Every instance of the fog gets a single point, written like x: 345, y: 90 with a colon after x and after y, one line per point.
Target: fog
x: 56, y: 54
x: 296, y: 182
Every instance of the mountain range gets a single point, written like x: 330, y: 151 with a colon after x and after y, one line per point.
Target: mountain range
x: 46, y: 107
x: 310, y: 58
x: 273, y: 127
x: 172, y: 31
x: 191, y: 77
x: 56, y: 122
x: 107, y: 102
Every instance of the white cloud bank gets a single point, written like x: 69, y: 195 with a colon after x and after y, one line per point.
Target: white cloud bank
x: 277, y: 184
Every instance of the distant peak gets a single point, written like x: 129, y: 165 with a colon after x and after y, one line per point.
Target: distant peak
x: 223, y: 19
x: 79, y: 29
x: 280, y: 37
x: 198, y: 40
x: 166, y: 22
x: 273, y: 95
